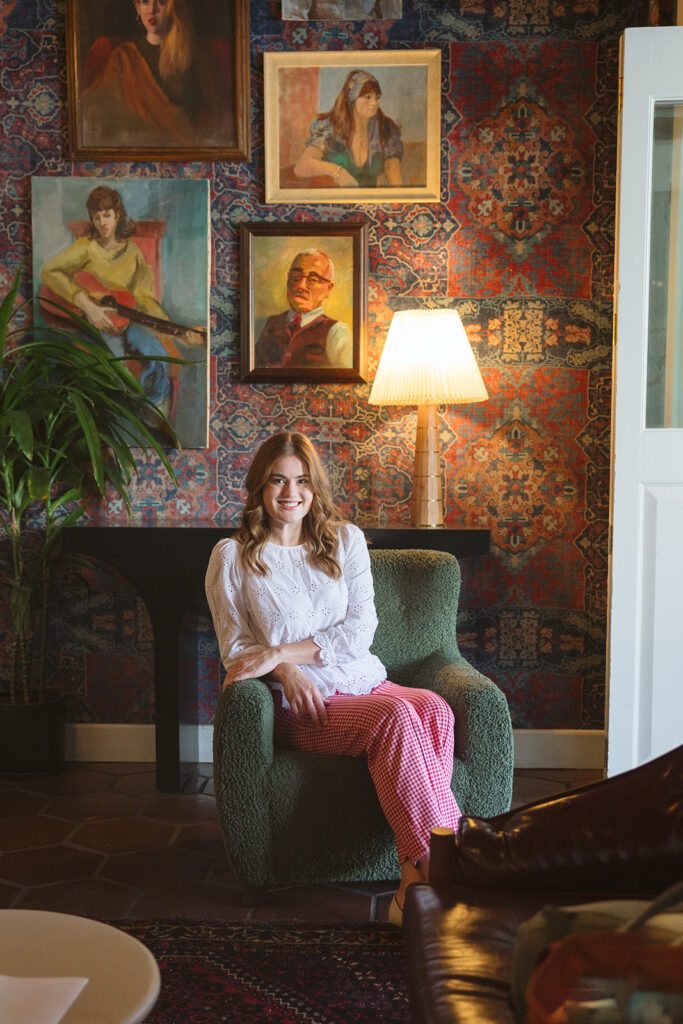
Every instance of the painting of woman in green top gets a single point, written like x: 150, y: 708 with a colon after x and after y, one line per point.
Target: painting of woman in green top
x: 339, y: 131
x: 354, y: 142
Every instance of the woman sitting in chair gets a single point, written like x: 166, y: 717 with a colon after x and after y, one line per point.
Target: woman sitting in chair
x: 292, y: 601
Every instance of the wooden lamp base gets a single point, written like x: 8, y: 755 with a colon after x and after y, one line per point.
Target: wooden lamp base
x: 426, y: 503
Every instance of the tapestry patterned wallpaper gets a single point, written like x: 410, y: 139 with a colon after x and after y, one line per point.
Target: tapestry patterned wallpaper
x: 522, y: 243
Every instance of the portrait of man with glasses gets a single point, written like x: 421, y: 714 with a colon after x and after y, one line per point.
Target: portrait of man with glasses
x: 303, y: 335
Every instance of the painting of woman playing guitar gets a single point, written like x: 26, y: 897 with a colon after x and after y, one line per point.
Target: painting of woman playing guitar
x: 105, y: 277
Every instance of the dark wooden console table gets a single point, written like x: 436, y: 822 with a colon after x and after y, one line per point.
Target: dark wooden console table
x: 167, y: 565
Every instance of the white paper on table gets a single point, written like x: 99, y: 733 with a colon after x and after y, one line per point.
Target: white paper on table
x: 37, y: 1000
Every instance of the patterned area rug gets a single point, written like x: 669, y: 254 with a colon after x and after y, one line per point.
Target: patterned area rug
x: 215, y: 973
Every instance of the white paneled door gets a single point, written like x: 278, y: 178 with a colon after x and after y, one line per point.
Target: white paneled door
x: 645, y: 682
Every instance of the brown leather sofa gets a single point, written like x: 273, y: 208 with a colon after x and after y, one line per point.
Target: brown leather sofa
x: 619, y: 836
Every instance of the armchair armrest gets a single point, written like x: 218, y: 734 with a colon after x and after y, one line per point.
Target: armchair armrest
x: 483, y: 768
x: 243, y: 757
x: 621, y: 834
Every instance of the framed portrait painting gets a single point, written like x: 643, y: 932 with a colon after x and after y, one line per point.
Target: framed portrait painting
x: 355, y: 126
x: 131, y: 256
x: 158, y: 81
x: 304, y: 291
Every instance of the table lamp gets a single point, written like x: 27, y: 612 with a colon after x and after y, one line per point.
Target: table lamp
x: 427, y: 361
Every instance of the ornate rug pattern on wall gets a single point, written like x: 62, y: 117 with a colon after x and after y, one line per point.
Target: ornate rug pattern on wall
x: 522, y: 242
x: 521, y: 154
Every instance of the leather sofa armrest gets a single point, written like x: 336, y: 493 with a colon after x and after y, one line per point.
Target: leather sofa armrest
x: 617, y: 835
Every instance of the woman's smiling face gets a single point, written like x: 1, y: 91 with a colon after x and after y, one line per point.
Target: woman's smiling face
x: 154, y: 17
x: 287, y: 495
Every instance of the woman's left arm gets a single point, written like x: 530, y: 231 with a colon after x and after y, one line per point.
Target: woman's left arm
x: 351, y: 639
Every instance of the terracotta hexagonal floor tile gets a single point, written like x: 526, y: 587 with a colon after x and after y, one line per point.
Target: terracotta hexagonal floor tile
x: 70, y: 779
x: 203, y: 836
x: 123, y: 835
x: 92, y: 898
x: 152, y: 869
x: 202, y: 899
x: 313, y: 903
x: 32, y: 830
x: 48, y: 864
x: 140, y: 783
x: 182, y: 808
x: 222, y: 873
x: 15, y: 802
x: 8, y: 894
x: 94, y: 806
x: 118, y: 768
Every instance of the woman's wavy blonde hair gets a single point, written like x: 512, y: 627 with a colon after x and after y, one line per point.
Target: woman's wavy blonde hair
x: 320, y: 525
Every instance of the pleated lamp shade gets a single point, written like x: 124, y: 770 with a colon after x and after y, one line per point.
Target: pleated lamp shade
x: 427, y: 361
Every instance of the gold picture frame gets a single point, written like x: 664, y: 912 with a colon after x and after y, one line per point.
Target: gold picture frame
x: 311, y: 155
x: 123, y: 106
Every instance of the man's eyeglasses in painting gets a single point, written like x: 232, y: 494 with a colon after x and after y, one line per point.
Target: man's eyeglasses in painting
x: 296, y: 276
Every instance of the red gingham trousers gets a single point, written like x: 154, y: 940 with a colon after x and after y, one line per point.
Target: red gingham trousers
x: 407, y: 736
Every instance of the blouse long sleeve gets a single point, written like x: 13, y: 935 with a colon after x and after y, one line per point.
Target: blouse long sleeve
x: 351, y: 639
x: 225, y: 596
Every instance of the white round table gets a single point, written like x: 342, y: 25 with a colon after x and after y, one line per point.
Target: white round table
x: 123, y: 977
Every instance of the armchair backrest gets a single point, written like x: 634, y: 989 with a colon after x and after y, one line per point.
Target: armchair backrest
x: 416, y: 596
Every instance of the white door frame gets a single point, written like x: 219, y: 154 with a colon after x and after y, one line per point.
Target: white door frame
x: 645, y: 653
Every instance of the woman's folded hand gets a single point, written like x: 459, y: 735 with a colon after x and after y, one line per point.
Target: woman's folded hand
x: 303, y: 696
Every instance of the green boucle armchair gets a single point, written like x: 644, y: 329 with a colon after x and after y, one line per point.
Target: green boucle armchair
x: 289, y: 817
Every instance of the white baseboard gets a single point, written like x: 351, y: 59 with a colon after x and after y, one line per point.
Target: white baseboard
x: 559, y: 748
x: 205, y: 744
x: 534, y: 748
x: 86, y: 741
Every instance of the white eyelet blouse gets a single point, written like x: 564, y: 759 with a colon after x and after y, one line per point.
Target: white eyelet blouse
x: 296, y: 601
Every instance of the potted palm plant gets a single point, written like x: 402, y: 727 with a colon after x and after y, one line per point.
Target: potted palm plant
x: 70, y: 414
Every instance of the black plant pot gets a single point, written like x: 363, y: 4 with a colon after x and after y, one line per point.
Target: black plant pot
x: 31, y: 735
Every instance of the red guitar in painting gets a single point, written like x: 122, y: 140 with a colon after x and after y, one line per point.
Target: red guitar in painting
x: 119, y: 305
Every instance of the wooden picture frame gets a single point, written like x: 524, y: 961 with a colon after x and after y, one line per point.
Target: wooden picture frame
x: 328, y: 347
x: 120, y: 109
x: 309, y: 96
